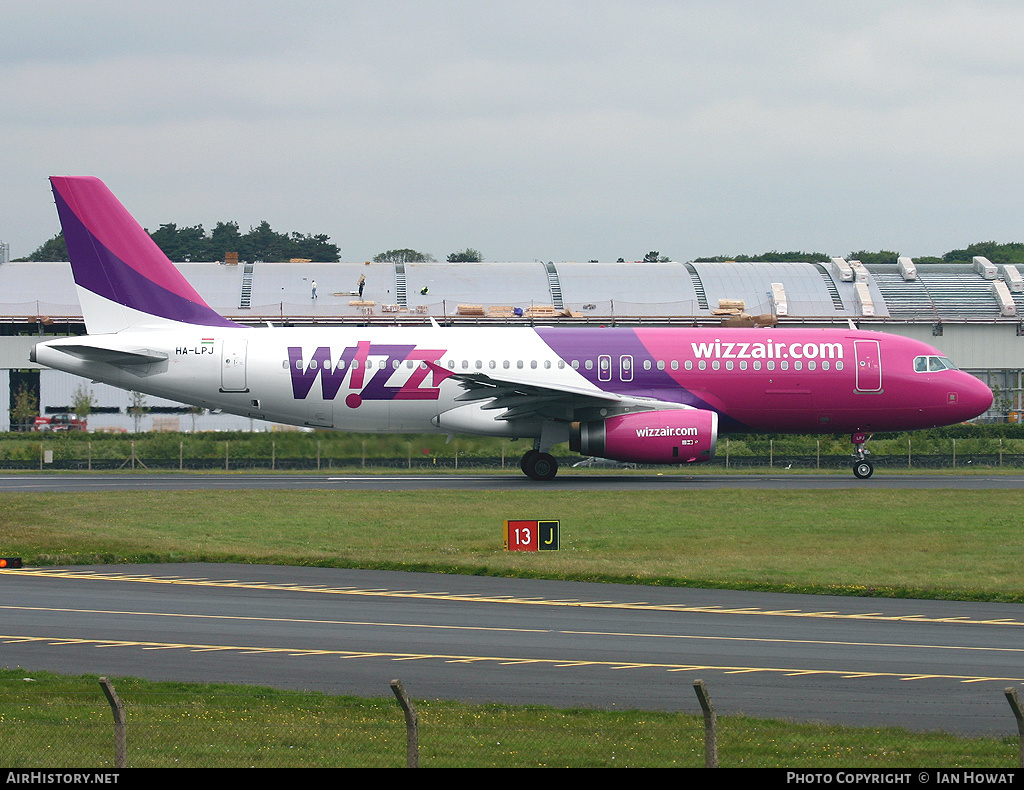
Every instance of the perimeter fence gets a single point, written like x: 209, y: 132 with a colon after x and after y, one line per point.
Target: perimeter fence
x: 312, y: 454
x: 67, y: 723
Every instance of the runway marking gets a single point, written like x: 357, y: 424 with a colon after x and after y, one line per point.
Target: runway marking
x: 503, y: 599
x: 502, y: 660
x: 105, y: 644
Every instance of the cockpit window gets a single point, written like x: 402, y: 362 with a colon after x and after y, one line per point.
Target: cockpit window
x: 932, y: 364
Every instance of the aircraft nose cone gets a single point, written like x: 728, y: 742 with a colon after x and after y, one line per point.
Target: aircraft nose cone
x: 973, y: 398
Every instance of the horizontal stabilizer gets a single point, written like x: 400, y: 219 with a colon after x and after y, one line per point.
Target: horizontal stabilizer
x: 112, y: 356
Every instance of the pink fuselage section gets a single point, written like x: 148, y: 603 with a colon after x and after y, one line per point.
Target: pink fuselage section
x: 782, y: 380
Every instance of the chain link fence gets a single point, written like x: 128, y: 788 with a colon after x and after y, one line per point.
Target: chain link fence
x: 66, y: 722
x: 238, y: 456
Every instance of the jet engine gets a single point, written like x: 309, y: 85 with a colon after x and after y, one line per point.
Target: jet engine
x: 653, y: 437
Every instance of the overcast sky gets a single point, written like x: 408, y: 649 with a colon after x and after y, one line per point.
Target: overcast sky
x: 553, y: 130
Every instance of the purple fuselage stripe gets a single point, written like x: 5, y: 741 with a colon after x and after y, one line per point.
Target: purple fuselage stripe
x: 590, y: 344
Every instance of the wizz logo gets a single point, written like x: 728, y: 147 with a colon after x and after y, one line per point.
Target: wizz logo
x: 370, y: 371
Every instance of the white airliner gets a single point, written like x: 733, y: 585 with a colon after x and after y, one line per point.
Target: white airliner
x: 645, y: 395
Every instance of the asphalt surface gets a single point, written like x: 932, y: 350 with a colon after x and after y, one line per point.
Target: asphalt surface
x: 162, y: 481
x: 924, y: 665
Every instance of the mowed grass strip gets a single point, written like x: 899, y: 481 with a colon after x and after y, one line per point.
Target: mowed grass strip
x: 51, y: 721
x: 939, y: 543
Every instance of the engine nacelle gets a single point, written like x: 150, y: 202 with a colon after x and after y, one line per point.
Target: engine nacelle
x: 653, y: 437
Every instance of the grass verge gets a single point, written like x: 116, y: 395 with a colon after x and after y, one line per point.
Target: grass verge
x: 937, y: 543
x: 50, y: 721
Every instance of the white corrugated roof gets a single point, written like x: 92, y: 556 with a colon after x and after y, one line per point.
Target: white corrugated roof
x: 648, y: 290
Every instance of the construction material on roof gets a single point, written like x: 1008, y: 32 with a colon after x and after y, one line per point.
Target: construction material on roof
x: 907, y: 269
x: 1004, y: 299
x: 1013, y: 278
x: 779, y: 302
x: 865, y: 304
x: 842, y: 269
x: 984, y: 267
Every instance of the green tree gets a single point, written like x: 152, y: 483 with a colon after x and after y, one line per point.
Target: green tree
x: 865, y: 257
x: 263, y: 243
x: 468, y: 255
x: 403, y: 256
x: 182, y: 244
x: 770, y: 257
x: 53, y: 250
x: 1012, y: 252
x: 25, y: 408
x: 82, y: 402
x: 224, y: 238
x: 196, y: 244
x: 138, y: 409
x: 315, y: 248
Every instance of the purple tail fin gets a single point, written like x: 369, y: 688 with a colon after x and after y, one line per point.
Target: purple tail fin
x: 124, y: 279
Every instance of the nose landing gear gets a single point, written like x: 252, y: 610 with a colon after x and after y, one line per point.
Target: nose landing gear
x: 862, y: 467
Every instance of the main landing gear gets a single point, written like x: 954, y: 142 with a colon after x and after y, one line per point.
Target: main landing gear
x: 862, y: 467
x: 538, y: 465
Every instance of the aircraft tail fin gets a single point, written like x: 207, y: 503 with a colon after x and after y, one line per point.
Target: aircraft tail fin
x: 124, y: 279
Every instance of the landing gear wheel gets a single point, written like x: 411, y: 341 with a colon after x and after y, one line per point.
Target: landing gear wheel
x: 539, y: 466
x: 863, y: 469
x: 524, y: 463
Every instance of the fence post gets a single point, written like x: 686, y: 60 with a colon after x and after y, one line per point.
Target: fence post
x: 710, y: 725
x: 412, y: 727
x: 1011, y: 697
x: 120, y: 724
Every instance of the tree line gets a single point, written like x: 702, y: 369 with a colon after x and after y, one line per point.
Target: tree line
x: 262, y: 243
x: 468, y: 255
x: 1012, y: 252
x: 194, y: 243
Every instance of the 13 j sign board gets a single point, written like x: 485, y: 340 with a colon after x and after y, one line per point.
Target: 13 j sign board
x: 531, y: 535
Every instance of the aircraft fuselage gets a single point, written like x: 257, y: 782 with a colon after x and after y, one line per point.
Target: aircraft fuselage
x: 399, y: 379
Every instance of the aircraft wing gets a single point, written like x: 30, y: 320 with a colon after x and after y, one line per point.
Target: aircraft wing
x: 523, y: 399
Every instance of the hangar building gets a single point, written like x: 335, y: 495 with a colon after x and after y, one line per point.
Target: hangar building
x: 972, y: 312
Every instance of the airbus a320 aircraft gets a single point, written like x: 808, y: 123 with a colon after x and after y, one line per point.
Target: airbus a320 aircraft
x: 644, y: 395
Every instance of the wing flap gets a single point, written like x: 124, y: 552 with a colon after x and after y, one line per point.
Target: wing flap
x: 524, y: 399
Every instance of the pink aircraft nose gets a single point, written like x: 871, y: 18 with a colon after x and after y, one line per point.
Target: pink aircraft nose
x: 971, y: 397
